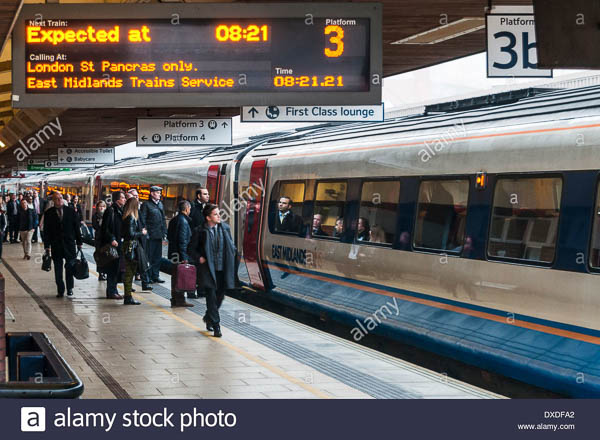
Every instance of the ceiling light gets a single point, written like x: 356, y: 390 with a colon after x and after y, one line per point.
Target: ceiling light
x: 446, y: 32
x: 2, y: 144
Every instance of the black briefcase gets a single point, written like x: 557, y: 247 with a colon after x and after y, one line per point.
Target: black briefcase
x: 80, y: 267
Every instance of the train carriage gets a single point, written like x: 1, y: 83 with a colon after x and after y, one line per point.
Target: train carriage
x: 487, y: 234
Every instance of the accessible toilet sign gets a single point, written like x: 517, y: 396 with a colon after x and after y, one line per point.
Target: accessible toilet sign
x: 315, y: 113
x: 183, y: 132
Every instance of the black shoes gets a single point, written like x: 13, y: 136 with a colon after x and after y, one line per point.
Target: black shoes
x: 146, y: 287
x: 217, y: 333
x: 132, y: 289
x: 209, y: 326
x: 158, y: 280
x: 192, y: 295
x: 70, y: 292
x: 60, y: 295
x: 102, y: 277
x: 129, y: 301
x: 114, y: 296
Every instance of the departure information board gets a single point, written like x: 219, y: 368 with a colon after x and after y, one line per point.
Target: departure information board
x: 197, y: 55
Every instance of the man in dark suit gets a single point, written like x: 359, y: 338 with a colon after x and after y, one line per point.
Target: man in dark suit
x: 152, y: 216
x: 12, y: 213
x: 202, y: 199
x: 216, y: 256
x: 178, y: 250
x: 316, y: 226
x: 61, y: 232
x: 286, y: 220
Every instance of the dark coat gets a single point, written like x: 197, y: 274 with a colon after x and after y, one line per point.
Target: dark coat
x: 27, y: 219
x: 318, y: 231
x: 3, y: 223
x: 97, y: 225
x: 201, y: 246
x: 59, y: 236
x: 178, y: 248
x: 111, y: 225
x: 291, y: 223
x: 78, y: 211
x: 130, y: 229
x: 12, y: 210
x: 196, y: 214
x: 152, y: 217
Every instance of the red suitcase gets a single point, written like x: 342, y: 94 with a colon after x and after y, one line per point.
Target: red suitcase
x: 185, y: 279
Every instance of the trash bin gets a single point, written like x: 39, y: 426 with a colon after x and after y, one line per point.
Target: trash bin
x: 31, y: 367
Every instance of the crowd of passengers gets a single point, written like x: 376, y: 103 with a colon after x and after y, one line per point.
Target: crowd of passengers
x: 135, y: 232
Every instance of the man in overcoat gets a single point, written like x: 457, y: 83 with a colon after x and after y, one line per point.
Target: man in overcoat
x: 215, y: 252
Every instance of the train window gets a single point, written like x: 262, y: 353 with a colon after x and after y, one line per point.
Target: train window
x: 288, y: 203
x: 330, y: 202
x: 595, y: 248
x: 441, y: 215
x: 377, y: 216
x: 525, y: 217
x: 171, y: 194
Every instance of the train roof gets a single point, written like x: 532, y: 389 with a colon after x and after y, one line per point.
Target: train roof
x: 538, y: 107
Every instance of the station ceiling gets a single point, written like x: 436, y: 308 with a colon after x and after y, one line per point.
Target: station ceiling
x: 405, y: 22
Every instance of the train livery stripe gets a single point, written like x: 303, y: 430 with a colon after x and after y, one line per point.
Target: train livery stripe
x: 409, y: 144
x: 440, y: 305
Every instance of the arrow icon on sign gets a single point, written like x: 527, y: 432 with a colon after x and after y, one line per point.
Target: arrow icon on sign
x: 144, y: 138
x: 224, y: 124
x: 253, y: 112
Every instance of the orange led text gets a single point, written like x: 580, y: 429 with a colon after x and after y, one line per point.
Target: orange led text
x: 35, y: 34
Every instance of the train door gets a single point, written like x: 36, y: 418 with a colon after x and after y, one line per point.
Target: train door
x: 255, y: 210
x: 213, y: 182
x: 97, y: 190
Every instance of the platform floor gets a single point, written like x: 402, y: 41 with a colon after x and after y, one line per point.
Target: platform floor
x: 153, y: 351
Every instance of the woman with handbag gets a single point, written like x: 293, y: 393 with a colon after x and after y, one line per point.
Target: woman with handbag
x: 131, y: 233
x: 97, y: 225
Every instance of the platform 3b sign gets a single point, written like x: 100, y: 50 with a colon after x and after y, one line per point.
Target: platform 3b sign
x: 511, y: 47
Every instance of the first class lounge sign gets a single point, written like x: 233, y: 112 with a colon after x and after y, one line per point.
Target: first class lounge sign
x: 196, y: 55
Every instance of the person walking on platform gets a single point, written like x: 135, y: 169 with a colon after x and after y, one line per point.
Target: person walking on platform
x: 202, y: 199
x: 178, y: 251
x: 77, y: 208
x: 131, y: 233
x: 27, y: 224
x: 5, y: 200
x: 111, y: 234
x: 97, y: 225
x: 12, y: 212
x: 152, y: 216
x: 61, y: 233
x: 215, y: 253
x: 37, y: 208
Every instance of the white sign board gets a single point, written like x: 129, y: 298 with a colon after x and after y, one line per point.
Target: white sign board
x: 186, y: 132
x: 315, y: 113
x: 511, y: 47
x: 85, y: 157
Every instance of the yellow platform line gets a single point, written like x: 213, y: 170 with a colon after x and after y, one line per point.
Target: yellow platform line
x: 232, y: 347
